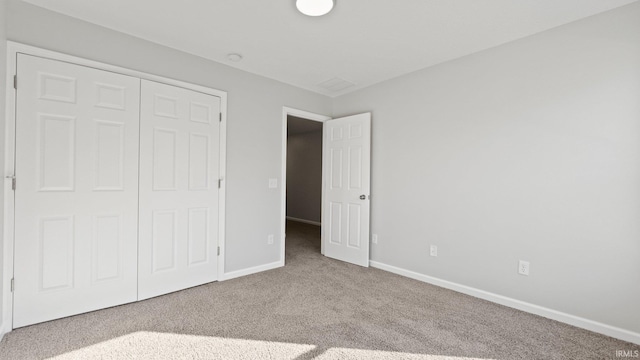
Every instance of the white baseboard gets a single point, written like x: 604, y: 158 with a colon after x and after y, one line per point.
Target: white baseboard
x: 252, y: 270
x: 317, y: 223
x: 573, y: 320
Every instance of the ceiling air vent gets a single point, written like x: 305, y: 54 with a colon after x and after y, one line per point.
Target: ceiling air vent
x: 336, y: 84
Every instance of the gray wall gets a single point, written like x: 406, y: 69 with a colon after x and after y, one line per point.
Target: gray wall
x: 304, y: 175
x: 3, y: 67
x: 530, y: 150
x: 254, y: 116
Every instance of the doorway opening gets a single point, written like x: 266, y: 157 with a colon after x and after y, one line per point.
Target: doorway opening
x: 304, y: 185
x: 302, y: 182
x: 345, y: 186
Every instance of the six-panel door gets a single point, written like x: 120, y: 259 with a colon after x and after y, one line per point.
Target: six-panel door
x: 77, y: 190
x: 346, y: 184
x: 179, y: 161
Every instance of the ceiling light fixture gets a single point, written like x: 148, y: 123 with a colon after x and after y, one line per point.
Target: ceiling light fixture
x: 314, y: 7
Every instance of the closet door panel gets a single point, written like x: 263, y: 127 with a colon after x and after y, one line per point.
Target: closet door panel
x: 179, y: 170
x: 77, y: 131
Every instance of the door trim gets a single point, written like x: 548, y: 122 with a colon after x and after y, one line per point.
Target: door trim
x: 286, y: 111
x: 13, y: 49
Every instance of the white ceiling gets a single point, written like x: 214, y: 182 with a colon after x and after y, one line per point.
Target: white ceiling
x: 361, y: 41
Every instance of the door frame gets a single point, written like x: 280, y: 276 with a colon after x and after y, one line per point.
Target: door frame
x: 286, y: 111
x: 15, y: 48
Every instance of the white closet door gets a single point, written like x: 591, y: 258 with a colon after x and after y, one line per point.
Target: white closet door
x: 347, y: 184
x: 179, y: 156
x: 77, y: 190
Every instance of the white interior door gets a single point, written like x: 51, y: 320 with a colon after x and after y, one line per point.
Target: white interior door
x: 77, y: 190
x: 179, y: 171
x: 346, y: 181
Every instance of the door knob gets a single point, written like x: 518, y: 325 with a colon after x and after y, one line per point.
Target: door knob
x: 363, y: 197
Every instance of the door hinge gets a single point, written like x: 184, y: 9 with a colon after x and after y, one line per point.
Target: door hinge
x: 15, y: 82
x: 220, y: 117
x: 218, y: 250
x: 13, y: 285
x: 13, y: 181
x: 219, y: 183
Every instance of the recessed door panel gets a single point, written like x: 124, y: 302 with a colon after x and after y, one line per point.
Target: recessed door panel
x: 335, y: 223
x: 56, y: 253
x: 109, y: 156
x: 164, y: 159
x: 200, y: 113
x: 198, y: 236
x: 336, y: 133
x: 179, y: 147
x: 76, y: 202
x: 164, y: 240
x: 166, y: 106
x: 335, y: 168
x: 110, y: 96
x: 107, y: 247
x: 355, y: 168
x: 354, y: 220
x: 355, y: 131
x: 57, y: 152
x: 198, y: 161
x: 56, y: 87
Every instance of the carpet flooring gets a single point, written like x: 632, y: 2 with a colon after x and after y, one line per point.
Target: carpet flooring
x: 313, y: 308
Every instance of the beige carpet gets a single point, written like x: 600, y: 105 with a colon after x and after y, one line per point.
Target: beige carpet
x: 314, y: 308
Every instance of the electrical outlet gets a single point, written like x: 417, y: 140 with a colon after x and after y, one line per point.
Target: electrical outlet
x: 374, y: 238
x: 523, y: 268
x: 270, y: 239
x: 433, y: 250
x: 273, y: 183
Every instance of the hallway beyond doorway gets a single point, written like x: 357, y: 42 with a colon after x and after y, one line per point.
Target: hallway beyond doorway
x: 303, y: 240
